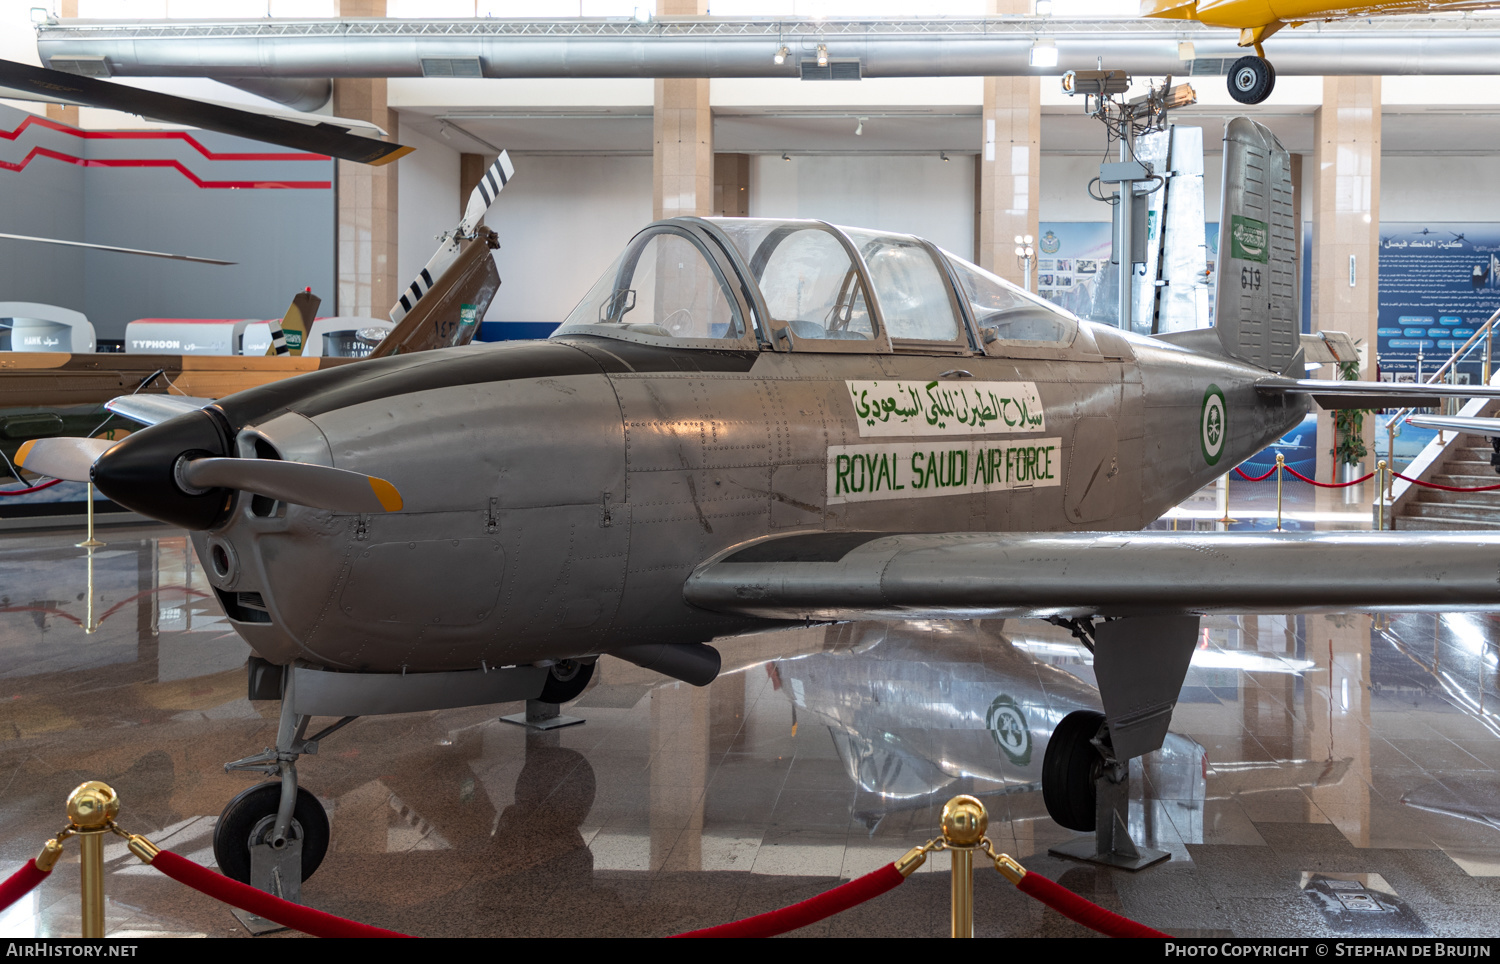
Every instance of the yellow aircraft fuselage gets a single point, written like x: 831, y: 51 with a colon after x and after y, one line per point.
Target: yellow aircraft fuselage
x: 1258, y: 19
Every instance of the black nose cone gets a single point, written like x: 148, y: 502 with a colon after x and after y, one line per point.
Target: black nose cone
x: 139, y: 472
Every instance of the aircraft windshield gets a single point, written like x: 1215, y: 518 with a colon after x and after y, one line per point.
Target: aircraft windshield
x: 661, y: 285
x: 1004, y: 312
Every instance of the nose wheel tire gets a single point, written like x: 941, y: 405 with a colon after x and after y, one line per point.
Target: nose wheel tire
x: 1069, y: 769
x: 251, y: 817
x: 1251, y: 79
x: 566, y: 680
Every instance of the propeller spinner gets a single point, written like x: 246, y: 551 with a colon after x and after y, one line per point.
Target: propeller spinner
x: 177, y: 472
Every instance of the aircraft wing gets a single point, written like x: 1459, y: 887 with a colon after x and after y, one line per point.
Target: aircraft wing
x: 825, y: 576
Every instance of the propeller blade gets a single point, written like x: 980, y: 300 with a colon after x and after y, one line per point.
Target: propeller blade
x: 300, y: 483
x: 62, y: 457
x: 485, y: 192
x: 111, y: 247
x: 324, y: 138
x: 153, y: 409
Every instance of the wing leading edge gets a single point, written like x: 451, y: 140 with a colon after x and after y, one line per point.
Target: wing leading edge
x: 836, y: 576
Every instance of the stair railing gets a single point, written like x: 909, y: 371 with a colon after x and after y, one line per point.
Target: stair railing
x: 1484, y: 334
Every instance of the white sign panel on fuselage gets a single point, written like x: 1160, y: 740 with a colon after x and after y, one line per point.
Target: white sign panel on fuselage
x: 900, y: 408
x: 906, y: 470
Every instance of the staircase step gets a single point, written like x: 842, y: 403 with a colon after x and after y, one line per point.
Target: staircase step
x: 1453, y: 510
x: 1413, y: 523
x: 1467, y: 481
x: 1438, y: 495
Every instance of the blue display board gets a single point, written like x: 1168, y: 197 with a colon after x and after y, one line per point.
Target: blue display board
x: 1438, y: 283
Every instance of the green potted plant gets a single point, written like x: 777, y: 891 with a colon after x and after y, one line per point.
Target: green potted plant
x: 1348, y: 437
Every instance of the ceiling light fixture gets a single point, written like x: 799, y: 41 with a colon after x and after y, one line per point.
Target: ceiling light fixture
x: 822, y: 55
x: 944, y: 156
x: 782, y: 53
x: 784, y: 157
x: 1044, y: 8
x: 1044, y: 53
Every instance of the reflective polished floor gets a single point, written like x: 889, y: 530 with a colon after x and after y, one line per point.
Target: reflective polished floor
x: 1324, y: 775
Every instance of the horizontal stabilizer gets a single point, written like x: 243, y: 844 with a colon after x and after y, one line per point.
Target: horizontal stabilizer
x: 828, y: 576
x: 1333, y: 393
x: 1458, y: 423
x: 1329, y: 347
x: 153, y: 409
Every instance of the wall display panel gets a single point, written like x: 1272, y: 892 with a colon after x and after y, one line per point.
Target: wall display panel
x: 1439, y: 281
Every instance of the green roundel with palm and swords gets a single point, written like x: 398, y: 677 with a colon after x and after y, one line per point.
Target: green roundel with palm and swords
x: 1213, y: 424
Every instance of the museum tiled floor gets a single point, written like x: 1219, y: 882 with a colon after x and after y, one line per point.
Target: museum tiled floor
x: 1310, y: 757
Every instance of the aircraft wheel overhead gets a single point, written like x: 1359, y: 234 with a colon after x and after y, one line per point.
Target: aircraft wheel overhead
x: 252, y: 815
x: 1069, y: 769
x: 566, y: 680
x: 1251, y: 79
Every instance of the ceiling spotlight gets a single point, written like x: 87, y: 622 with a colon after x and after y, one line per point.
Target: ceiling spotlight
x: 1044, y: 53
x: 784, y: 157
x: 822, y: 55
x: 860, y: 127
x: 943, y: 155
x: 1044, y: 8
x: 642, y: 14
x: 782, y: 53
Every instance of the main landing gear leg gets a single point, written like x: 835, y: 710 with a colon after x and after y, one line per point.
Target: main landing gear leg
x: 566, y: 680
x: 273, y: 836
x: 1086, y: 787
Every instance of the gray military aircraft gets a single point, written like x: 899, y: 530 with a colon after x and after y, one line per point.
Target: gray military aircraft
x: 748, y: 423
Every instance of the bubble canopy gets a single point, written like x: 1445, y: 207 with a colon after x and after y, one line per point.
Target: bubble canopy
x: 807, y: 286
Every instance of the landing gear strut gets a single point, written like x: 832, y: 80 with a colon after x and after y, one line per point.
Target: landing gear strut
x: 273, y: 836
x: 1085, y: 787
x: 1251, y: 79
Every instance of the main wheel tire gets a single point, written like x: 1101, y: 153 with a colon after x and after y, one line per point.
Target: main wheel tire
x: 244, y: 816
x: 1069, y: 769
x: 566, y: 680
x: 1251, y: 79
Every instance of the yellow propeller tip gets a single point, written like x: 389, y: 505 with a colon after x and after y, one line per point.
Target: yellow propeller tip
x: 390, y: 498
x: 24, y: 451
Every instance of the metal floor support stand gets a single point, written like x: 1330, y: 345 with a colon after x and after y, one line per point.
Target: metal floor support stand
x: 1111, y: 844
x: 542, y: 716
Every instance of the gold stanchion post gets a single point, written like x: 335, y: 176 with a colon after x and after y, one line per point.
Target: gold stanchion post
x: 1280, y: 464
x: 90, y: 542
x: 92, y: 808
x: 1380, y: 475
x: 964, y: 824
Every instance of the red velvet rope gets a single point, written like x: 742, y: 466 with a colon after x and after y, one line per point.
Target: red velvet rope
x: 35, y: 488
x: 809, y: 911
x: 1258, y: 478
x: 1085, y: 912
x: 1329, y: 485
x: 21, y: 883
x: 245, y: 897
x: 1447, y: 488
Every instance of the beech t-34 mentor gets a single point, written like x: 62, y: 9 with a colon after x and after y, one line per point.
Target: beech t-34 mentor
x: 748, y: 423
x: 1252, y: 78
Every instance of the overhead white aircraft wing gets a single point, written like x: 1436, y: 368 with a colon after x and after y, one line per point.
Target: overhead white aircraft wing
x: 837, y: 576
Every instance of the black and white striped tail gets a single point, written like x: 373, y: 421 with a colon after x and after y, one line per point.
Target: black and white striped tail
x: 489, y: 187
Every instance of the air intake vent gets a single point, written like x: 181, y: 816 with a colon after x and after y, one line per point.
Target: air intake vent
x: 451, y: 67
x: 836, y: 70
x: 82, y: 66
x: 1210, y: 67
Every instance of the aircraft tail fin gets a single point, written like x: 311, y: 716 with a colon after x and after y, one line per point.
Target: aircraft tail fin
x: 451, y: 309
x: 297, y: 321
x: 1258, y: 295
x: 480, y: 199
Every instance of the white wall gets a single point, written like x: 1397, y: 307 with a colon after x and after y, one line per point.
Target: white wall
x: 1439, y: 188
x: 427, y: 202
x: 562, y: 221
x: 912, y: 194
